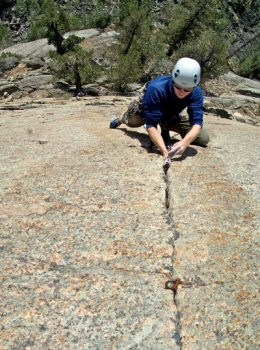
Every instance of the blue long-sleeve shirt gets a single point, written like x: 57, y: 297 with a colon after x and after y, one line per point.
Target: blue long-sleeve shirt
x: 160, y: 102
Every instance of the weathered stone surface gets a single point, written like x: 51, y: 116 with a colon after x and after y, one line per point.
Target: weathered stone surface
x: 215, y: 206
x: 41, y: 48
x: 233, y: 94
x: 85, y: 33
x: 87, y: 242
x: 247, y: 90
x: 107, y: 35
x: 236, y: 80
x: 8, y: 63
x: 36, y: 81
x: 8, y: 88
x: 37, y: 48
x: 91, y: 89
x: 86, y: 245
x: 34, y: 62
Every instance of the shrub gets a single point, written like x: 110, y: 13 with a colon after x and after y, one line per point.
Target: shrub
x: 210, y: 51
x: 98, y: 17
x: 65, y: 66
x: 127, y: 70
x: 138, y: 50
x: 250, y: 66
x: 5, y: 37
x: 27, y: 8
x: 10, y: 54
x: 36, y: 32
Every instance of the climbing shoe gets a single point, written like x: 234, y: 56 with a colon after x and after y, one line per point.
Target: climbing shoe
x: 114, y: 124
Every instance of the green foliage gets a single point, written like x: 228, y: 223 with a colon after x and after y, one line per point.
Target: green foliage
x: 137, y: 51
x: 42, y: 14
x: 126, y: 8
x: 198, y: 29
x: 188, y: 19
x: 5, y: 37
x: 10, y: 54
x: 179, y: 23
x: 219, y: 21
x: 100, y: 14
x: 246, y: 13
x: 31, y: 9
x: 71, y: 43
x: 210, y: 50
x: 57, y: 22
x: 127, y: 70
x: 63, y: 66
x: 27, y: 8
x: 250, y: 66
x: 70, y: 61
x: 194, y: 28
x: 54, y: 14
x: 36, y: 32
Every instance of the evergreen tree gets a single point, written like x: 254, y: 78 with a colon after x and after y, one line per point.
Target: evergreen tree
x: 70, y: 61
x: 137, y: 51
x: 5, y: 37
x: 250, y: 66
x: 198, y: 29
x: 76, y: 67
x: 101, y: 13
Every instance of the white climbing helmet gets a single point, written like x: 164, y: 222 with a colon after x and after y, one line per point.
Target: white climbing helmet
x: 186, y: 72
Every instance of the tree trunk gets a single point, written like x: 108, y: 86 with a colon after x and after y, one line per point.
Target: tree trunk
x: 79, y: 90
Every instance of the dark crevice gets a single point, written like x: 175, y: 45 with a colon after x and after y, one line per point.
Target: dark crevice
x: 169, y: 217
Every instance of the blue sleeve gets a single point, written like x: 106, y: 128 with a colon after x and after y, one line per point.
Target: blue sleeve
x: 152, y: 107
x: 195, y: 108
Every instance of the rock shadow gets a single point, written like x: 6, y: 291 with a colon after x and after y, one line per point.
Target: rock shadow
x: 147, y: 144
x: 143, y: 138
x: 189, y: 152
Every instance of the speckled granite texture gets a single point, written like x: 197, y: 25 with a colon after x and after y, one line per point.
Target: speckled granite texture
x: 87, y: 242
x: 215, y: 206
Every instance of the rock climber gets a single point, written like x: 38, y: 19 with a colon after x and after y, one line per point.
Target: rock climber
x: 161, y: 104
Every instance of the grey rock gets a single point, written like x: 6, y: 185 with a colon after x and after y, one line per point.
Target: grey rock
x: 236, y: 80
x: 34, y: 63
x: 239, y: 117
x: 37, y: 48
x: 85, y: 33
x: 61, y: 83
x: 247, y: 90
x: 221, y: 112
x: 37, y: 81
x: 231, y: 101
x: 8, y: 63
x: 108, y: 35
x: 8, y: 88
x: 91, y: 89
x: 41, y: 48
x: 133, y: 87
x: 87, y: 242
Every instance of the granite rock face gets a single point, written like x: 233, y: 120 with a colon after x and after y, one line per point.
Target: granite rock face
x: 215, y: 207
x: 86, y: 246
x: 89, y: 239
